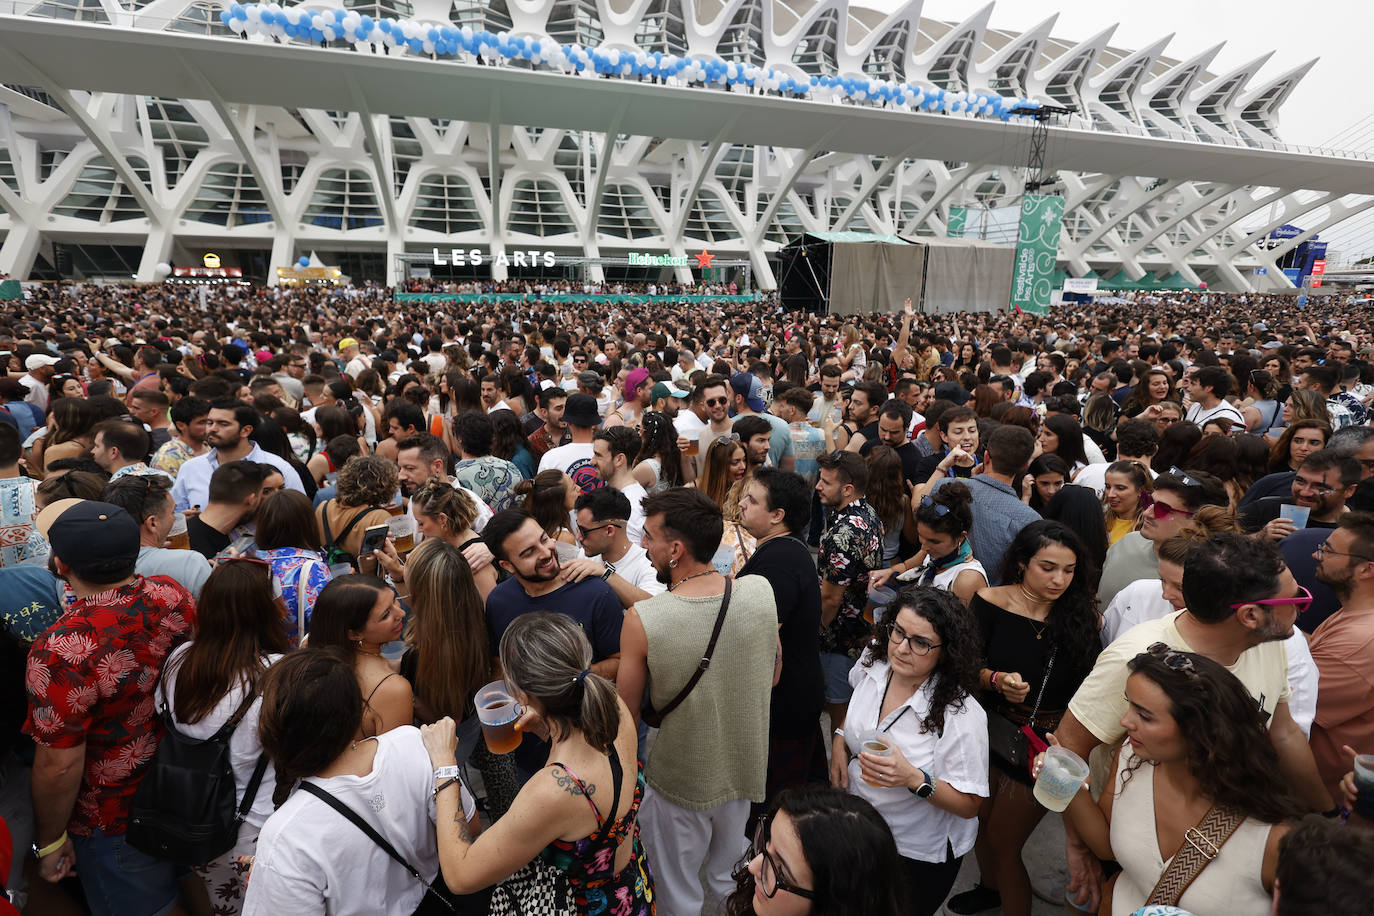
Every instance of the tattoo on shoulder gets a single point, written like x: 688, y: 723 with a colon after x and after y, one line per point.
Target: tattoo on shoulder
x: 569, y: 785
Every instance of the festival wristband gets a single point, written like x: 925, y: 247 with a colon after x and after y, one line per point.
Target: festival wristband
x: 51, y: 847
x: 450, y: 772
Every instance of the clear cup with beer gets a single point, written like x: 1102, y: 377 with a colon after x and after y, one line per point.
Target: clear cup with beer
x: 498, y: 712
x: 875, y: 742
x: 402, y: 532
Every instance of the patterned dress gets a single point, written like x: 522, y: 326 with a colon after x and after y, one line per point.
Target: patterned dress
x: 590, y: 862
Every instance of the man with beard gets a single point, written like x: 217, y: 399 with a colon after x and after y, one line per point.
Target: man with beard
x: 705, y: 768
x: 715, y: 394
x: 527, y: 553
x: 1343, y: 648
x: 1241, y: 602
x: 1325, y: 480
x: 228, y: 432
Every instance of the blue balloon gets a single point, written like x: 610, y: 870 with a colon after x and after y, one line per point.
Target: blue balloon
x: 364, y: 24
x: 225, y: 16
x: 338, y: 15
x: 303, y: 261
x: 433, y: 33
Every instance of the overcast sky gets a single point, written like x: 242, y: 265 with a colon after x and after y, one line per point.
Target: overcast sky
x: 1332, y: 98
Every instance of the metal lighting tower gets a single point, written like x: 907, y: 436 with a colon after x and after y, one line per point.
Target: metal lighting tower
x: 1040, y: 134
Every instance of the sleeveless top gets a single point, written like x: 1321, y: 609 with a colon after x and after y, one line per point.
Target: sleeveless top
x: 1230, y: 883
x: 589, y: 862
x: 1269, y: 414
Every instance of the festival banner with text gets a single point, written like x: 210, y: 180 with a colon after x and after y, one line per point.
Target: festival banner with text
x: 1037, y: 247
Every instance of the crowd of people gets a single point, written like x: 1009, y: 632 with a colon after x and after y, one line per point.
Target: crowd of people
x: 570, y: 606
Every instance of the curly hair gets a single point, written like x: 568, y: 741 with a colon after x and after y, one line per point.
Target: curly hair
x: 1228, y: 747
x: 658, y: 439
x: 961, y: 648
x: 367, y: 480
x: 1073, y: 620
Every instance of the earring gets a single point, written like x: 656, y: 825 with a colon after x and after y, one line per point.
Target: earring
x: 672, y: 564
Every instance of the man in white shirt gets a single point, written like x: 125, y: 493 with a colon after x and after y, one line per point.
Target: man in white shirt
x: 613, y: 452
x: 1208, y: 388
x: 354, y: 361
x: 575, y: 458
x: 602, y: 518
x: 227, y: 431
x: 1136, y: 440
x: 38, y: 372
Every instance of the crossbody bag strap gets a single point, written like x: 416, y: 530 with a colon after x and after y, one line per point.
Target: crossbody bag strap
x: 1049, y: 667
x: 705, y: 659
x: 369, y: 831
x: 355, y: 519
x: 250, y: 792
x: 1201, y: 844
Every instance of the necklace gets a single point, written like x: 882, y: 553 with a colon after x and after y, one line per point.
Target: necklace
x: 377, y: 654
x: 368, y: 738
x: 1033, y: 602
x: 704, y: 572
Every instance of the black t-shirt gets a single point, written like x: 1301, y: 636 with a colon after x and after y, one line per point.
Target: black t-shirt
x: 1015, y: 643
x: 205, y: 540
x: 927, y: 464
x: 797, y: 700
x: 1263, y: 511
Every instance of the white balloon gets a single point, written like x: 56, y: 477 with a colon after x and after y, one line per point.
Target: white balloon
x: 162, y: 269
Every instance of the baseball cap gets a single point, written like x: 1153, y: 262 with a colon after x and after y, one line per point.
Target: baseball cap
x: 581, y: 410
x: 634, y: 378
x: 91, y: 537
x: 346, y: 343
x: 951, y: 391
x: 38, y: 360
x: 747, y: 385
x: 666, y: 390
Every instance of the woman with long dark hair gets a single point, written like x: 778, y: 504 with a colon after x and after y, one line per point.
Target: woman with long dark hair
x: 1061, y: 435
x: 1039, y: 641
x: 70, y: 421
x: 1195, y: 745
x: 1046, y: 476
x: 580, y: 812
x: 1155, y: 387
x: 548, y: 499
x: 360, y: 614
x: 1300, y: 439
x: 288, y: 538
x: 238, y: 636
x: 310, y: 858
x: 659, y: 464
x: 509, y: 442
x: 820, y: 851
x: 887, y: 494
x: 913, y: 693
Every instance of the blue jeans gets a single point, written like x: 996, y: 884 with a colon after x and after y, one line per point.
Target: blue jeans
x: 836, y: 667
x: 121, y: 881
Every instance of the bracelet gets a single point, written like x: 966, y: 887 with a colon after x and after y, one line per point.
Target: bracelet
x: 448, y: 771
x: 992, y: 681
x: 444, y: 785
x: 839, y: 732
x: 1334, y: 812
x: 51, y: 847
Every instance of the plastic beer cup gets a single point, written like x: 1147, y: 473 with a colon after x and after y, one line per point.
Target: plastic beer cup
x: 1060, y: 778
x: 876, y: 743
x: 498, y: 712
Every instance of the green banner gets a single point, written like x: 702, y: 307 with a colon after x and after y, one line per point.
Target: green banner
x: 958, y: 219
x: 10, y: 290
x: 1037, y: 249
x: 564, y: 297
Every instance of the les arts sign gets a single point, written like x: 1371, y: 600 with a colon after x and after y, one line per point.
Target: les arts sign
x: 476, y: 257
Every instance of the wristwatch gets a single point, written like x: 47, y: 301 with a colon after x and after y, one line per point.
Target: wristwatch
x: 925, y: 789
x: 610, y: 571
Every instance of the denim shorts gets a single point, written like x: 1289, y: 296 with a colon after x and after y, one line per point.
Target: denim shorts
x: 837, y: 667
x: 118, y: 879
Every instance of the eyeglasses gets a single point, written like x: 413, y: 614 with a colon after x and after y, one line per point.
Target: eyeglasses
x: 1303, y: 600
x: 1321, y: 489
x: 1324, y: 548
x: 1173, y: 659
x: 770, y: 875
x: 586, y: 531
x: 917, y: 645
x: 940, y: 510
x: 1161, y: 511
x: 717, y: 402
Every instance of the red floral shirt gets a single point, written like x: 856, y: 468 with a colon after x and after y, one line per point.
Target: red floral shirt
x: 90, y: 678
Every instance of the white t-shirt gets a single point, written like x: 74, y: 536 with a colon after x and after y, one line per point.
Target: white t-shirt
x: 244, y: 746
x: 1198, y: 415
x: 575, y: 460
x: 634, y: 528
x: 636, y: 569
x: 1143, y: 600
x: 688, y: 424
x: 957, y: 756
x: 310, y: 859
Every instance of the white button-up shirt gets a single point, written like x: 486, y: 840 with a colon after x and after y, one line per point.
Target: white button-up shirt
x: 957, y: 756
x: 192, y: 487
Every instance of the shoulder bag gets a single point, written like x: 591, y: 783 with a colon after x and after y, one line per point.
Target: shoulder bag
x: 1014, y: 744
x: 1201, y: 844
x: 653, y: 717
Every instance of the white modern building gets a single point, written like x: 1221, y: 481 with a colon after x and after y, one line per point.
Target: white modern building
x: 136, y: 133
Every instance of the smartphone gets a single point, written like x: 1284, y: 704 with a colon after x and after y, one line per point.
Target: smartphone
x: 374, y: 538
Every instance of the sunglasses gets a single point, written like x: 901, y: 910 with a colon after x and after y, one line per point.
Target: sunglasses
x: 1302, y: 601
x: 717, y: 402
x: 1184, y: 478
x: 1173, y: 659
x: 1162, y: 511
x: 599, y: 525
x: 940, y: 510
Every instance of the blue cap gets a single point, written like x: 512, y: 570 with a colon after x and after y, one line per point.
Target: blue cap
x: 748, y: 386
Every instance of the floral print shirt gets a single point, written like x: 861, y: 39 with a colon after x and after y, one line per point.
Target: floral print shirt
x: 90, y: 678
x: 851, y: 548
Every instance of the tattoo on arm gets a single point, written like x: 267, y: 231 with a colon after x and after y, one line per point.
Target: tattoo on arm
x: 464, y: 833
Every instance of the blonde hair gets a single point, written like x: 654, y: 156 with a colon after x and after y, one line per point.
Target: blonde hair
x: 547, y: 656
x: 446, y: 504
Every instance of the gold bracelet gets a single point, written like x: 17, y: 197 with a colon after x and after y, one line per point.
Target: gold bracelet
x: 51, y: 847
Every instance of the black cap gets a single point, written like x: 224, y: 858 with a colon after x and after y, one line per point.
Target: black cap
x: 91, y: 537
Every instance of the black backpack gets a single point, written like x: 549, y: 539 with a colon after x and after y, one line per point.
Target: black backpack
x: 334, y: 554
x: 184, y: 810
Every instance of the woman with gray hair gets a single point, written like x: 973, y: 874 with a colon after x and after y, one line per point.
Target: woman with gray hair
x: 579, y: 814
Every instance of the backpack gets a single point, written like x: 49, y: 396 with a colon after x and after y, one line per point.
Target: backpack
x: 184, y: 810
x: 334, y: 554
